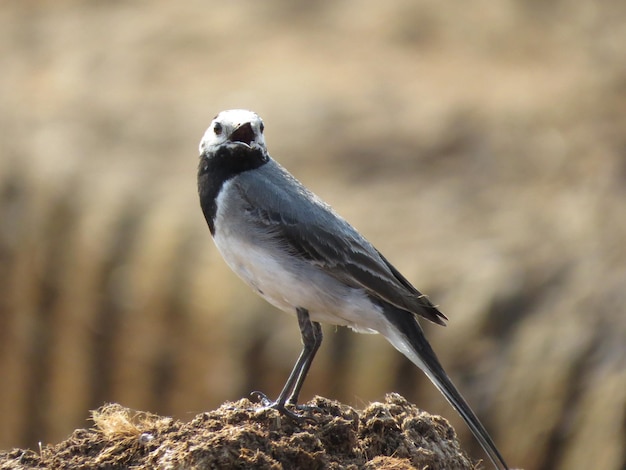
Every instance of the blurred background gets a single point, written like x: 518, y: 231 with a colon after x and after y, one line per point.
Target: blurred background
x: 481, y: 146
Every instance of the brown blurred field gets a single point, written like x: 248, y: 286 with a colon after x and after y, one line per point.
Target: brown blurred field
x: 481, y: 146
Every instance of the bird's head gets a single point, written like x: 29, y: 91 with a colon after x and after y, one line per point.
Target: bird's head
x: 234, y: 126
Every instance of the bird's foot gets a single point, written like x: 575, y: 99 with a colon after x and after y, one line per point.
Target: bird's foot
x: 266, y: 403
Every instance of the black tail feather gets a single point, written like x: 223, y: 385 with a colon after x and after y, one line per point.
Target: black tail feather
x: 417, y: 345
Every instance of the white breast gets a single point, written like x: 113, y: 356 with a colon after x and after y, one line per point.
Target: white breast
x: 287, y: 282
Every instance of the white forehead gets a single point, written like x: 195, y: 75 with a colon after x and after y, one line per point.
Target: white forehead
x: 236, y: 117
x: 230, y: 120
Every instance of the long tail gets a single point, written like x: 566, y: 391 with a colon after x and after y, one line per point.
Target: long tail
x: 407, y: 336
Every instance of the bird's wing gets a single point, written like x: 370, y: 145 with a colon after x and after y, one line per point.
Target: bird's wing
x: 311, y: 230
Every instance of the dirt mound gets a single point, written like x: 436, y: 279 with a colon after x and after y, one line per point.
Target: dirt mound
x: 394, y: 434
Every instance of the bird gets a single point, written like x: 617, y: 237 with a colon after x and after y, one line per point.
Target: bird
x: 302, y: 257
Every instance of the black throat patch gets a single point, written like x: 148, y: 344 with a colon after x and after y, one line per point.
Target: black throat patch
x: 217, y: 167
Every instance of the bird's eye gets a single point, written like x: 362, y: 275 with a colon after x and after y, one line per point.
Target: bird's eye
x: 262, y: 127
x: 217, y: 128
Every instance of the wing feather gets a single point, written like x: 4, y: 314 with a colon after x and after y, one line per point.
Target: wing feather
x: 321, y: 237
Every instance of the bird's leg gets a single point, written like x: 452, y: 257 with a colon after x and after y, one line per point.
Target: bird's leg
x: 311, y: 340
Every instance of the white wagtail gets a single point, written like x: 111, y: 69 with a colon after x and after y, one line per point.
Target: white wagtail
x: 300, y: 256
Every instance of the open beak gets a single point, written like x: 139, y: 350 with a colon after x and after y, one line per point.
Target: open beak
x: 243, y: 134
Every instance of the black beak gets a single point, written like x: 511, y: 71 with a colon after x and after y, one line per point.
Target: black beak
x: 243, y: 133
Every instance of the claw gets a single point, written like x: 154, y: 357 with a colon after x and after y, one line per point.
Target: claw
x: 266, y: 403
x: 262, y: 398
x: 306, y: 408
